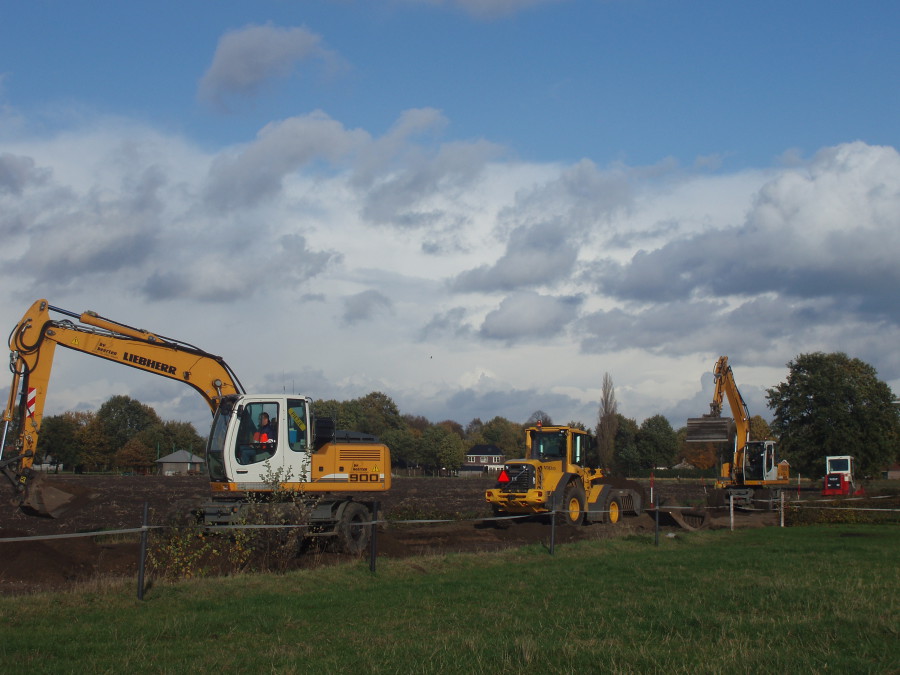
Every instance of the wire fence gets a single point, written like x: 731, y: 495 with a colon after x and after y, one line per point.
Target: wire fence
x: 373, y: 524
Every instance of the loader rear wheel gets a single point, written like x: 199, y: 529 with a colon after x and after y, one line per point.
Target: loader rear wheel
x: 573, y: 505
x: 613, y: 510
x: 354, y: 530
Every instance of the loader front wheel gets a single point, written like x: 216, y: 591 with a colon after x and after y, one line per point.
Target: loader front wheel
x: 573, y: 505
x: 613, y: 511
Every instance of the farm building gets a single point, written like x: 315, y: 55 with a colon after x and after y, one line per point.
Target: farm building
x: 179, y: 462
x: 481, y: 459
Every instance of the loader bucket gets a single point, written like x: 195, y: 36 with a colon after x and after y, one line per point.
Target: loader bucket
x: 710, y: 430
x: 43, y: 499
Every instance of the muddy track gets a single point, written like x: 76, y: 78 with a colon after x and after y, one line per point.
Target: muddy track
x: 106, y: 503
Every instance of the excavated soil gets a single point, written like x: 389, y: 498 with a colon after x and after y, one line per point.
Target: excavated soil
x: 110, y: 503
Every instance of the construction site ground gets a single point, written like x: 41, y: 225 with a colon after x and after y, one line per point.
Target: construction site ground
x: 109, y: 503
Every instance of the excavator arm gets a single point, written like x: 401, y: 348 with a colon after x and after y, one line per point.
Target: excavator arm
x: 713, y: 428
x: 33, y: 342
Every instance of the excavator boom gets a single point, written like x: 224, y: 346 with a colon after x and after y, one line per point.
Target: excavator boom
x: 33, y: 342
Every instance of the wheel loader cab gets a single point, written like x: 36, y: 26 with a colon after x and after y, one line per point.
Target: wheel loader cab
x: 554, y: 445
x: 548, y: 446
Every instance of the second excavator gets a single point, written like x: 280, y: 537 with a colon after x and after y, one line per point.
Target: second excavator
x: 750, y: 473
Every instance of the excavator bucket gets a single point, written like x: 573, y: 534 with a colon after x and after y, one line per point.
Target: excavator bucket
x: 41, y: 498
x: 710, y: 430
x: 679, y: 516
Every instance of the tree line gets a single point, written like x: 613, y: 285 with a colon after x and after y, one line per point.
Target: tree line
x: 123, y: 434
x: 829, y: 405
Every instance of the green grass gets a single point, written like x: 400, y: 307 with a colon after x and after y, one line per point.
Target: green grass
x: 809, y: 599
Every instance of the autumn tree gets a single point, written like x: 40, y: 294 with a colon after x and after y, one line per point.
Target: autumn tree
x: 832, y: 404
x: 700, y: 455
x: 607, y: 422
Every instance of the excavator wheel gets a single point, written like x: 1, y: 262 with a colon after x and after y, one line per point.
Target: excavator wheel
x: 354, y: 530
x: 572, y: 512
x: 613, y: 510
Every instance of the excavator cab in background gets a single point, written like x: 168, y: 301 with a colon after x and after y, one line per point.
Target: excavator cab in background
x: 750, y: 473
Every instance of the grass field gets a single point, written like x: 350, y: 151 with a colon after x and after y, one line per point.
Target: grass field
x: 804, y: 600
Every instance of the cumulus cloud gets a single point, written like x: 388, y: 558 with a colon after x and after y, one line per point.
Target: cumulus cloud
x: 420, y: 193
x: 535, y: 256
x: 527, y: 315
x: 477, y: 258
x: 255, y: 172
x: 826, y: 230
x: 248, y: 58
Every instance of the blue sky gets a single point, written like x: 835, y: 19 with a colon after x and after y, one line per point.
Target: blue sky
x: 534, y: 192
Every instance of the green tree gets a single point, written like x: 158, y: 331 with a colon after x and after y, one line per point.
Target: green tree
x: 656, y: 442
x: 377, y: 414
x: 183, y: 436
x: 626, y: 459
x: 506, y: 435
x: 832, y: 404
x: 403, y: 444
x: 61, y: 437
x: 120, y: 419
x: 441, y: 449
x: 760, y: 429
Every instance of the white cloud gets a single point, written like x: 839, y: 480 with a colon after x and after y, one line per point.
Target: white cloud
x: 324, y: 259
x: 248, y: 58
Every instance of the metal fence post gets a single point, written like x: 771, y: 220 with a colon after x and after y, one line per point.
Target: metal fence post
x: 373, y: 543
x: 143, y: 560
x: 552, y: 530
x: 731, y: 510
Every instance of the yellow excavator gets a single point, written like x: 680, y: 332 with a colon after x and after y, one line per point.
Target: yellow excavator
x: 306, y: 454
x: 751, y: 474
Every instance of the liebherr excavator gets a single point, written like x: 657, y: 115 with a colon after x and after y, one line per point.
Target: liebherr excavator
x: 752, y: 475
x: 300, y: 450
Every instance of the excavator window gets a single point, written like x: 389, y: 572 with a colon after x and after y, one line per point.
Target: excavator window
x: 756, y: 457
x: 257, y: 433
x: 297, y: 425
